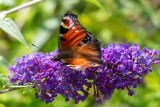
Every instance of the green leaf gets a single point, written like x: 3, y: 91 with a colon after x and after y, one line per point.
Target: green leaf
x: 95, y: 2
x: 3, y: 78
x: 3, y: 62
x: 2, y: 14
x: 10, y: 27
x: 19, y: 86
x: 1, y: 105
x: 29, y: 88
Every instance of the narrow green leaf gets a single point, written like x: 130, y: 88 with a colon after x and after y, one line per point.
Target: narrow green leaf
x: 27, y: 90
x: 3, y: 62
x: 10, y: 27
x: 19, y: 86
x: 95, y: 2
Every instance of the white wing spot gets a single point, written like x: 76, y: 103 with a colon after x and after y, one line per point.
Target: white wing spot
x: 60, y: 35
x: 73, y: 27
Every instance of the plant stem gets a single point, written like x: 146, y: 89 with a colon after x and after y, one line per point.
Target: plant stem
x: 10, y: 89
x: 22, y: 6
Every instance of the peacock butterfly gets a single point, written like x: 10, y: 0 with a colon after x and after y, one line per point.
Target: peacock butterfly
x: 78, y: 48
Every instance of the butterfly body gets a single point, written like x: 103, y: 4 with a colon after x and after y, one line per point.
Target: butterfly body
x: 78, y: 48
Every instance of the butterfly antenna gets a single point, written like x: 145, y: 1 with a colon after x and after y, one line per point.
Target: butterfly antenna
x: 38, y: 48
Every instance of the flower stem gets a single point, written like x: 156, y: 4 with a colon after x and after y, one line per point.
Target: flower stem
x: 22, y: 6
x: 10, y: 89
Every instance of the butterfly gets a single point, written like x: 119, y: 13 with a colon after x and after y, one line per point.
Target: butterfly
x: 78, y: 48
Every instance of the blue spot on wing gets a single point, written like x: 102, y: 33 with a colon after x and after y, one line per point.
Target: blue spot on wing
x: 87, y: 39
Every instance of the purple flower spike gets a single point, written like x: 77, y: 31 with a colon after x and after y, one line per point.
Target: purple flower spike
x: 130, y: 92
x: 123, y: 68
x: 99, y: 101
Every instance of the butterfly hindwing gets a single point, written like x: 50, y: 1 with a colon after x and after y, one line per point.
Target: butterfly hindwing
x: 77, y: 47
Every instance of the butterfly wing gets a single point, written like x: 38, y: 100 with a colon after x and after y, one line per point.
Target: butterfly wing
x: 78, y: 48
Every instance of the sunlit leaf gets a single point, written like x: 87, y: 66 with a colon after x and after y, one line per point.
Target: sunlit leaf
x: 2, y: 14
x: 95, y: 2
x: 1, y: 105
x: 10, y: 27
x: 3, y: 62
x: 1, y: 1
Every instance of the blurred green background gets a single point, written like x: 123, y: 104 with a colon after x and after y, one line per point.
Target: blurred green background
x: 111, y: 21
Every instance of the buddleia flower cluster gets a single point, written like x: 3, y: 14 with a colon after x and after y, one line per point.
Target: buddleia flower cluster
x: 123, y: 68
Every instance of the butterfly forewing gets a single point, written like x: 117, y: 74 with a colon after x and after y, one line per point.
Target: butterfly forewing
x: 78, y: 48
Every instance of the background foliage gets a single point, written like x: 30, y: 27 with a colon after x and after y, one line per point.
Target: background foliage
x: 111, y: 21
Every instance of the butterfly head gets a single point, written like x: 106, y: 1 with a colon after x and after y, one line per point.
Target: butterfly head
x: 68, y: 20
x: 69, y: 14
